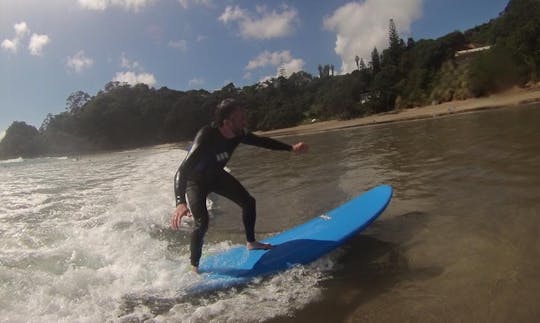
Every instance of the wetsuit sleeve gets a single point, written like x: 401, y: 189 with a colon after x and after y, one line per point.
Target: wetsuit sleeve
x: 200, y: 144
x: 265, y: 142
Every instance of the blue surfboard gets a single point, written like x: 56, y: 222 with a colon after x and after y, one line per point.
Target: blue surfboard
x: 299, y: 245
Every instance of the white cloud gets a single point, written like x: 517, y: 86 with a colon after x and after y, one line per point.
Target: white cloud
x: 278, y: 60
x: 79, y: 62
x: 362, y: 26
x: 135, y: 73
x: 267, y: 58
x: 178, y: 44
x: 129, y: 64
x: 94, y: 4
x: 10, y: 45
x: 101, y: 5
x: 134, y: 5
x: 21, y: 32
x: 187, y: 3
x: 37, y: 42
x: 293, y: 66
x: 233, y: 14
x: 195, y: 82
x: 133, y: 78
x: 263, y: 25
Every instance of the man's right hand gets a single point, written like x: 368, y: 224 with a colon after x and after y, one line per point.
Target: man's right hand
x: 181, y: 210
x: 300, y: 148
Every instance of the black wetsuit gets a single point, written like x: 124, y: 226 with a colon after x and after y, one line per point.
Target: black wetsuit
x: 202, y: 172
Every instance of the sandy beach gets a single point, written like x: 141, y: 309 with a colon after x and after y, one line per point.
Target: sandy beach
x: 512, y: 98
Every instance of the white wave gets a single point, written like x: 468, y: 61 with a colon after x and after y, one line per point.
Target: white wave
x: 98, y: 231
x: 11, y: 161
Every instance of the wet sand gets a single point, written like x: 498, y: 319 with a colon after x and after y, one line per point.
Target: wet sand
x: 512, y: 98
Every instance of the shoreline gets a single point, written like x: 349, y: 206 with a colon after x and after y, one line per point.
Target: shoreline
x: 510, y: 98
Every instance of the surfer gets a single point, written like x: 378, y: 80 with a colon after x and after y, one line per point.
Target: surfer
x: 202, y: 172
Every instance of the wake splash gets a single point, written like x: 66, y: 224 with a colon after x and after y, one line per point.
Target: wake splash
x: 96, y: 246
x: 262, y: 299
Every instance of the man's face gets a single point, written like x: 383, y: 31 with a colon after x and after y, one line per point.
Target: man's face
x: 237, y: 121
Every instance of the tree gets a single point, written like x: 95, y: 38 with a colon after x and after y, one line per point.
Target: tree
x: 21, y: 140
x: 396, y: 46
x: 229, y: 89
x: 76, y: 101
x: 362, y: 66
x: 324, y: 71
x: 111, y: 86
x: 375, y: 61
x: 487, y: 75
x: 393, y: 37
x: 410, y: 43
x: 300, y: 79
x: 45, y: 123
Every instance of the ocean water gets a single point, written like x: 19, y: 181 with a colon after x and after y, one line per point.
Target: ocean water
x: 87, y: 238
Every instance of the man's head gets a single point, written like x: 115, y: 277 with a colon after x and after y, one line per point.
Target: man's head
x: 231, y: 114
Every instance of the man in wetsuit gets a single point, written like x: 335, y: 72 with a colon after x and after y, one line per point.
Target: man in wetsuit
x: 202, y: 172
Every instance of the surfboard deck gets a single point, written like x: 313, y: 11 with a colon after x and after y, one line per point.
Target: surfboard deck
x: 296, y: 246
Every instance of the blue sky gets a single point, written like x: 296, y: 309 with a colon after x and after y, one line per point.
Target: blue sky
x: 52, y: 48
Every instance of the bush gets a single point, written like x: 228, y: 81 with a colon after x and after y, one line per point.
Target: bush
x: 494, y: 71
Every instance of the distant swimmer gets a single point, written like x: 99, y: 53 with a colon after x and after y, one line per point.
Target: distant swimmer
x: 202, y: 172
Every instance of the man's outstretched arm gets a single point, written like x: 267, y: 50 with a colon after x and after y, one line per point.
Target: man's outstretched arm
x: 270, y: 143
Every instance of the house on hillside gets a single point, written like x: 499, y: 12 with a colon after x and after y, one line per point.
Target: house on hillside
x: 368, y: 96
x: 471, y: 50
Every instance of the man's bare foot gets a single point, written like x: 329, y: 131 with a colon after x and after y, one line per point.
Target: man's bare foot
x: 256, y: 245
x: 195, y: 269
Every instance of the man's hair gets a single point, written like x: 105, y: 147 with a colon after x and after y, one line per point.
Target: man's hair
x: 225, y: 108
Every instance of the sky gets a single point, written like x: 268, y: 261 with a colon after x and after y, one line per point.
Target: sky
x: 50, y: 49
